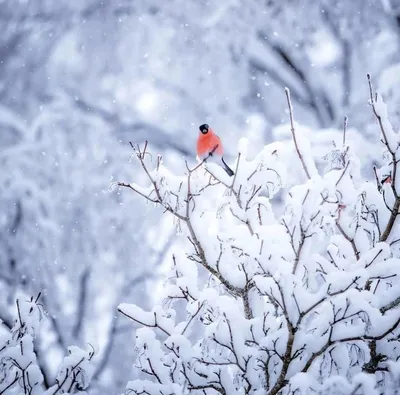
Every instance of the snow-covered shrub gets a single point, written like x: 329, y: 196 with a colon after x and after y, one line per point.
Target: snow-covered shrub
x: 20, y: 370
x: 294, y: 301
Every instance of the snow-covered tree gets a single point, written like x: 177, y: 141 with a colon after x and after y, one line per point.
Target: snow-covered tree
x: 297, y: 297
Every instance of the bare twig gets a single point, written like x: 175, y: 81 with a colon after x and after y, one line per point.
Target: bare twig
x: 349, y: 239
x: 125, y: 185
x: 236, y: 170
x: 154, y: 325
x: 392, y: 219
x: 344, y: 130
x: 192, y: 317
x: 378, y: 183
x: 300, y: 155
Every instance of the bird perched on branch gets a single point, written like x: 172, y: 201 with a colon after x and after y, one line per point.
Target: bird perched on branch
x: 210, y: 145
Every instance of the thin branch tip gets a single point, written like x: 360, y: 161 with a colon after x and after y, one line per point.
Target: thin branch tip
x: 291, y: 118
x: 344, y: 129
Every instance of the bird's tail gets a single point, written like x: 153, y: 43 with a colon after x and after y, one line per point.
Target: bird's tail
x: 227, y: 168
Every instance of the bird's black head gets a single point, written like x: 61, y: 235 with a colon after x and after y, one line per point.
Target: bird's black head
x: 204, y: 128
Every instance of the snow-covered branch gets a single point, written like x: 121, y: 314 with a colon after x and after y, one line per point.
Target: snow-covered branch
x: 391, y: 141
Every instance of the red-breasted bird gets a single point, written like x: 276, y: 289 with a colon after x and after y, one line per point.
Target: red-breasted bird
x: 210, y: 145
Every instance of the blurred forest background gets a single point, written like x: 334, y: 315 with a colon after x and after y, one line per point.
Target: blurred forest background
x: 80, y: 79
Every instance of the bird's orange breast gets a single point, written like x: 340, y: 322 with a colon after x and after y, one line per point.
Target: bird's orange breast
x: 207, y: 143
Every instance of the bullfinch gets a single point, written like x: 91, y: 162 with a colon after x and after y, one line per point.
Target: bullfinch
x: 210, y: 145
